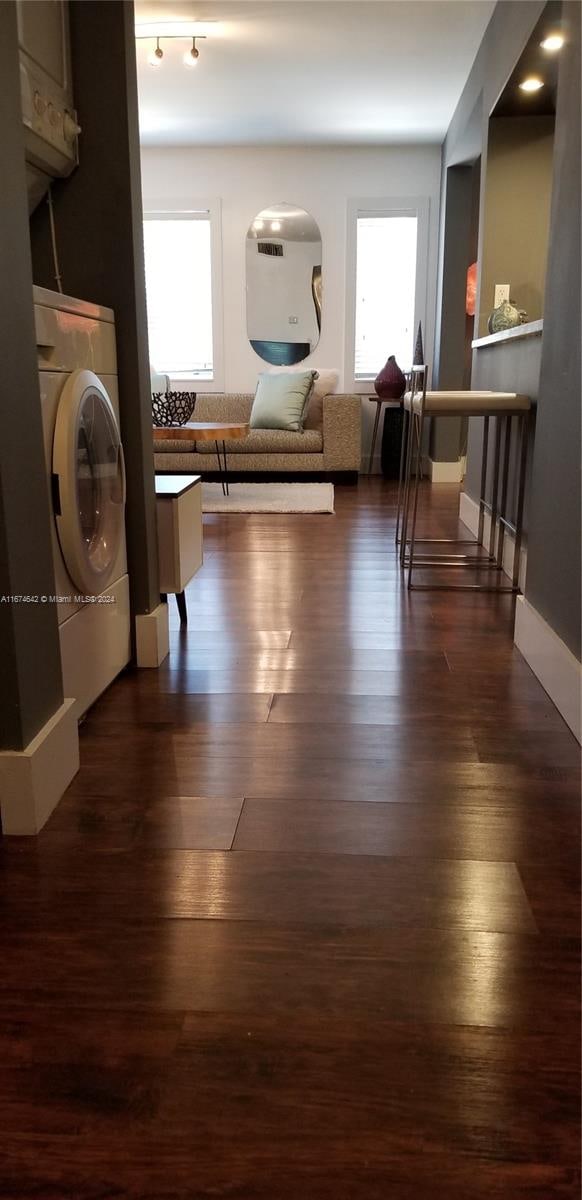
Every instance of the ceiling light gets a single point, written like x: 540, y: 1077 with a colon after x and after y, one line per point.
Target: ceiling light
x: 177, y: 29
x: 259, y: 224
x: 531, y: 85
x: 155, y: 56
x: 191, y: 56
x: 275, y: 226
x: 554, y: 42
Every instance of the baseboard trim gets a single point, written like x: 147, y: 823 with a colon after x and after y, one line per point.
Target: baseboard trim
x: 469, y: 515
x: 152, y: 637
x: 443, y: 472
x: 33, y: 780
x: 557, y: 669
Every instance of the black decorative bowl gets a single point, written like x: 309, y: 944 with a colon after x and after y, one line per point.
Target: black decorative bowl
x: 172, y: 408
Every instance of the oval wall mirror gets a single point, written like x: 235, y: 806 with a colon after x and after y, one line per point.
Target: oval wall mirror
x: 283, y: 252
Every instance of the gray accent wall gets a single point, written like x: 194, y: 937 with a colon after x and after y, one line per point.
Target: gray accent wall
x: 30, y: 667
x: 99, y: 230
x: 553, y: 567
x: 550, y: 371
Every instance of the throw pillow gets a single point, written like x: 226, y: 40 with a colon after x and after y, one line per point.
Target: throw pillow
x: 325, y: 384
x: 280, y: 400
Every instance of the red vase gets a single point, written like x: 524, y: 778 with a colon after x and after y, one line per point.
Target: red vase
x: 390, y: 383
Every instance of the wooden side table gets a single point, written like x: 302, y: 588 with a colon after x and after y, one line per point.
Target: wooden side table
x: 379, y: 401
x: 179, y: 517
x: 206, y: 431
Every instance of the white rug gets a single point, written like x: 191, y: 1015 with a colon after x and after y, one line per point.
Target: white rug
x: 268, y: 498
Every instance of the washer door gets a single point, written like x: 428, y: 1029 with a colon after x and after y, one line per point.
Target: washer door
x: 90, y: 482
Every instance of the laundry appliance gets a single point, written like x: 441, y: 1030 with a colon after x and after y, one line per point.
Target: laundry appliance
x: 86, y: 480
x: 48, y: 113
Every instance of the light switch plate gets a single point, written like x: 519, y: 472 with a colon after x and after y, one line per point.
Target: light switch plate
x: 501, y: 294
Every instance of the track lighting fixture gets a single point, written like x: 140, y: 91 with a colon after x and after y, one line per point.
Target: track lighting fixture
x: 156, y: 55
x: 191, y: 56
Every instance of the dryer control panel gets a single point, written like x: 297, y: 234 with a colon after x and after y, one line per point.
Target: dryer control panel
x: 48, y: 113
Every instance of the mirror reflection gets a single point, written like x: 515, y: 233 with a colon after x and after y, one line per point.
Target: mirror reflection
x: 283, y: 253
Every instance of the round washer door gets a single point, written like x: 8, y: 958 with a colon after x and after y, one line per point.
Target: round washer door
x: 88, y: 461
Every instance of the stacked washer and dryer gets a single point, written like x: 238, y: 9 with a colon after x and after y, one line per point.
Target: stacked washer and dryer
x: 78, y: 391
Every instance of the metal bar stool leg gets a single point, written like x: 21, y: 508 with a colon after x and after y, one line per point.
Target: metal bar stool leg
x: 484, y: 458
x: 504, y: 482
x: 406, y: 488
x: 419, y: 421
x: 520, y: 499
x: 374, y: 436
x: 416, y: 375
x: 494, y: 496
x: 403, y: 444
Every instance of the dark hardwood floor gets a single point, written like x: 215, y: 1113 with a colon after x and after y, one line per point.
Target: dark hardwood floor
x: 306, y: 924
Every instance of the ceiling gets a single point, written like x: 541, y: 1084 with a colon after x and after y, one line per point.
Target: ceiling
x: 309, y: 72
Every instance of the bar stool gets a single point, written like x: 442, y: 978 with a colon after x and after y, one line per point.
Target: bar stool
x: 420, y: 404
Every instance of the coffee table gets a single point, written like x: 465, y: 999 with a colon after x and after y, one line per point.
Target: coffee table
x: 206, y: 431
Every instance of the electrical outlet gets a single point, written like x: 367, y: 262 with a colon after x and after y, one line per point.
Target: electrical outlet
x: 293, y: 320
x: 501, y: 293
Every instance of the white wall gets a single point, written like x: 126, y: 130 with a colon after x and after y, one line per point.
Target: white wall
x: 246, y: 180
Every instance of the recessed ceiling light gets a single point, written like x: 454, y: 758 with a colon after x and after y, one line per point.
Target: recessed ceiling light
x: 554, y: 42
x: 531, y: 85
x: 275, y: 226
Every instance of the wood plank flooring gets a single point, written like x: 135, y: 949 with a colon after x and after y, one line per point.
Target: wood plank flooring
x: 306, y: 924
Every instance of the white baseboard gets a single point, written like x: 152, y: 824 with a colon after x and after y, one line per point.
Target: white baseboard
x: 33, y: 780
x: 152, y: 637
x: 557, y: 669
x: 469, y: 515
x: 443, y: 472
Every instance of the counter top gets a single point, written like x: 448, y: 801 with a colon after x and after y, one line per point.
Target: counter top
x: 530, y: 329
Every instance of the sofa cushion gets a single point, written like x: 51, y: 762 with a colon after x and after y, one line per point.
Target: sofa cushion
x: 325, y: 385
x: 263, y: 441
x: 216, y: 406
x: 280, y: 400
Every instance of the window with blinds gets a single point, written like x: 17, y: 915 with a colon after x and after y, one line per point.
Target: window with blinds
x: 386, y: 250
x: 178, y: 271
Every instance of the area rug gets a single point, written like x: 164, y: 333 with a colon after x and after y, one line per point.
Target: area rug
x: 268, y: 498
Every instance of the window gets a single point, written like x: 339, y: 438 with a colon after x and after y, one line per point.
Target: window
x: 386, y: 284
x: 178, y: 268
x: 385, y: 292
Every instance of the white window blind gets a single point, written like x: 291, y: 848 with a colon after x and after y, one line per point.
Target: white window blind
x: 385, y: 292
x: 178, y: 272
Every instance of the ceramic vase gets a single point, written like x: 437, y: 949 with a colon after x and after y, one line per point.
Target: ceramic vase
x: 390, y: 384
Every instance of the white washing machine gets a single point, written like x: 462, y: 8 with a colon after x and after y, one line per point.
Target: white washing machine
x: 86, y: 479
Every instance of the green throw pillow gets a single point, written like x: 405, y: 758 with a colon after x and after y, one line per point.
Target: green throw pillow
x: 280, y: 400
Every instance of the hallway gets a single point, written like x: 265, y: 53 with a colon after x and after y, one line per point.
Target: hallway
x: 306, y: 923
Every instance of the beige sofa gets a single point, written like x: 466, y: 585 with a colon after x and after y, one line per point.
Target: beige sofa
x: 330, y: 443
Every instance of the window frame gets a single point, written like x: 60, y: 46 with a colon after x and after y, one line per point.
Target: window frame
x: 384, y: 206
x: 199, y: 210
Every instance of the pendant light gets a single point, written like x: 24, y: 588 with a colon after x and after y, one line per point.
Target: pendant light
x: 191, y: 56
